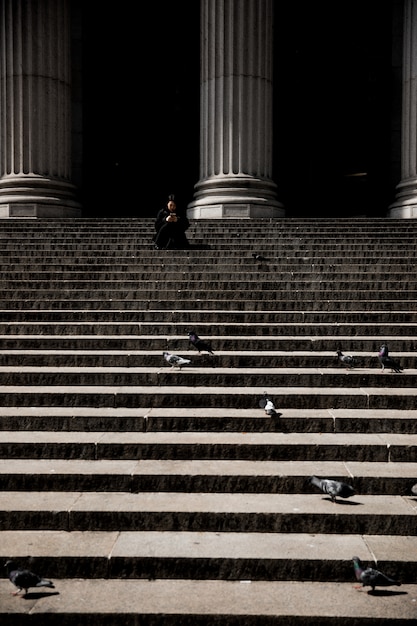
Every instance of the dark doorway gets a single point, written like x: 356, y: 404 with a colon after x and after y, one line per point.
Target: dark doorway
x: 140, y: 106
x: 333, y: 107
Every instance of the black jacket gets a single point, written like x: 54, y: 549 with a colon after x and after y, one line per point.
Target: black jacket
x: 181, y: 225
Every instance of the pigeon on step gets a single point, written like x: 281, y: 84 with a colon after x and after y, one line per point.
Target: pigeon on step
x: 370, y: 577
x: 258, y: 257
x: 267, y: 404
x: 174, y: 360
x: 346, y: 359
x: 199, y: 344
x: 24, y: 578
x: 387, y: 361
x: 414, y: 490
x: 333, y: 488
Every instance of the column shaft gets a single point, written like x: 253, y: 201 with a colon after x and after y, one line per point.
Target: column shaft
x: 405, y: 203
x: 35, y: 109
x: 236, y: 111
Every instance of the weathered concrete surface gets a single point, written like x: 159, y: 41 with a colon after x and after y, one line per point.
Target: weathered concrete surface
x: 149, y: 494
x: 183, y: 601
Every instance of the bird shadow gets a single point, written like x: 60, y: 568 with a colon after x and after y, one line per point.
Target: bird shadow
x: 35, y: 595
x: 386, y: 592
x: 345, y: 502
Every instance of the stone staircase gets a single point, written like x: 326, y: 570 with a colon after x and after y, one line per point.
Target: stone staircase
x: 152, y: 495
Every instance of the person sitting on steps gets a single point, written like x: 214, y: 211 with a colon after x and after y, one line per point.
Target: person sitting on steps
x: 170, y: 228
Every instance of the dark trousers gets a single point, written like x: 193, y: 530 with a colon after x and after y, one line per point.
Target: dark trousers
x: 171, y: 236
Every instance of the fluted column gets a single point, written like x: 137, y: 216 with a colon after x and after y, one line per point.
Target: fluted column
x: 236, y: 111
x: 405, y: 203
x: 35, y: 109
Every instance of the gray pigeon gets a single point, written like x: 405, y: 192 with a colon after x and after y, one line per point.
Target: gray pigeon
x: 174, y: 360
x: 346, y: 359
x: 370, y: 577
x: 414, y: 490
x: 387, y: 361
x: 24, y: 578
x: 333, y: 488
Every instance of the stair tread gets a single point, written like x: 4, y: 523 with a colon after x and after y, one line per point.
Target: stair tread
x: 176, y: 503
x: 173, y: 325
x: 191, y: 369
x: 334, y: 413
x: 343, y: 470
x: 166, y: 390
x: 203, y: 544
x: 197, y: 600
x: 158, y: 353
x: 211, y: 438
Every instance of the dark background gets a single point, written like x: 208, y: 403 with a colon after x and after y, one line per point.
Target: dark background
x: 333, y: 85
x: 140, y: 106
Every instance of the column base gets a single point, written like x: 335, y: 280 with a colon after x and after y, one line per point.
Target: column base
x: 403, y: 210
x: 37, y: 196
x: 405, y: 204
x: 235, y: 197
x: 37, y: 210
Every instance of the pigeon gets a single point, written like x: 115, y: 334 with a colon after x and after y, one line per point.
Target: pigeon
x: 24, y: 578
x: 270, y: 408
x: 258, y: 257
x: 267, y: 404
x: 174, y: 360
x: 414, y: 490
x: 333, y: 488
x: 370, y: 577
x: 199, y: 344
x: 346, y: 359
x: 387, y: 361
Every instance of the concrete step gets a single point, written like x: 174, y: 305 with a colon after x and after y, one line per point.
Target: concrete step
x: 276, y: 234
x: 372, y: 224
x: 204, y: 602
x: 211, y: 397
x: 384, y: 228
x: 180, y: 327
x: 273, y: 236
x: 401, y: 346
x: 230, y: 277
x: 204, y: 555
x: 108, y: 250
x: 207, y: 512
x: 21, y: 358
x: 213, y: 260
x: 92, y: 303
x: 342, y: 230
x: 215, y: 446
x: 255, y: 289
x: 212, y: 376
x: 275, y: 241
x: 92, y: 419
x: 229, y: 281
x: 199, y: 268
x: 197, y: 475
x: 205, y: 318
